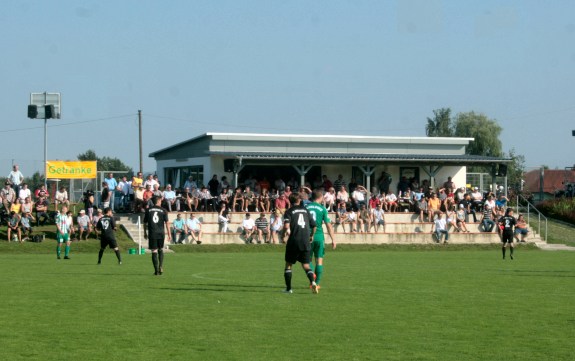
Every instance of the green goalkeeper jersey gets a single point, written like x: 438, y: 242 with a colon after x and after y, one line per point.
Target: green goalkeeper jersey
x: 321, y: 216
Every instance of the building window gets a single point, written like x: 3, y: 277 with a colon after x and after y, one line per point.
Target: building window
x: 177, y: 176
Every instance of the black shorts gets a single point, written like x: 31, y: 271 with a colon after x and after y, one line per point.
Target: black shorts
x: 155, y: 243
x: 293, y: 255
x: 507, y: 237
x: 107, y: 242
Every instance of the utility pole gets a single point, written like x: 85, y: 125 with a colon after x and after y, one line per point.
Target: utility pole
x: 140, y: 140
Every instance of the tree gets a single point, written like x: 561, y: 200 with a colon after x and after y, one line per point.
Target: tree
x: 485, y: 132
x: 440, y: 125
x: 515, y: 169
x: 104, y: 163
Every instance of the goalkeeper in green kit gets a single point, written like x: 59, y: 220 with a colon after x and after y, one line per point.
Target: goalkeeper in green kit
x: 320, y: 215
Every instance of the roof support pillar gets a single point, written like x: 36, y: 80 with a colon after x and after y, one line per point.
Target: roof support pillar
x: 367, y: 170
x: 432, y: 172
x: 302, y: 170
x: 238, y: 166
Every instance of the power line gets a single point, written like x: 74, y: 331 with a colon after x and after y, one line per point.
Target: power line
x: 66, y: 124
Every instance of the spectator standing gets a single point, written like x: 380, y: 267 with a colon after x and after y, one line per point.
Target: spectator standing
x: 224, y: 217
x: 15, y: 178
x: 190, y: 183
x: 338, y: 183
x: 214, y: 186
x: 112, y: 187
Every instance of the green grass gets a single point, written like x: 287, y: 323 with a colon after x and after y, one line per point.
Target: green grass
x: 557, y: 232
x: 376, y: 303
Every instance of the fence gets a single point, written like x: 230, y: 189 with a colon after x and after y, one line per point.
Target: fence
x: 527, y: 208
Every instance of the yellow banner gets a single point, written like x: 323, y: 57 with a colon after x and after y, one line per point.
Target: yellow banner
x: 70, y: 170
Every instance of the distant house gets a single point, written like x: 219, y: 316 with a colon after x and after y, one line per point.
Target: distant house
x: 554, y: 181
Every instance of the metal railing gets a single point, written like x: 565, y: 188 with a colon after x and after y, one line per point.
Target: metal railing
x: 531, y: 207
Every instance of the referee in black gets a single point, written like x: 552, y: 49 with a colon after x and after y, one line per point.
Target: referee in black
x: 508, y: 223
x: 156, y: 227
x: 300, y: 226
x: 107, y: 225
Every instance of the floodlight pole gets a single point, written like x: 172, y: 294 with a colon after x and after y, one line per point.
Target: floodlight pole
x: 140, y: 140
x: 45, y: 144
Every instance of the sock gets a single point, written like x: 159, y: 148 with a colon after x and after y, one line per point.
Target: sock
x: 503, y: 250
x: 287, y: 278
x: 67, y: 251
x: 309, y: 273
x: 100, y: 254
x: 511, y: 251
x: 318, y: 273
x: 155, y: 261
x: 118, y: 255
x: 161, y: 257
x: 58, y: 250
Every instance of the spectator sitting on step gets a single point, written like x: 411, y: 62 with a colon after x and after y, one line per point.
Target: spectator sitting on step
x: 84, y: 225
x: 391, y: 201
x: 224, y: 197
x: 451, y: 218
x: 282, y: 203
x: 487, y: 219
x: 433, y: 204
x: 8, y: 196
x: 343, y: 196
x: 406, y: 199
x: 440, y: 226
x: 158, y: 193
x: 374, y: 201
x: 329, y: 200
x: 27, y: 206
x: 26, y: 223
x: 178, y: 229
x: 24, y: 192
x: 521, y: 229
x: 263, y: 228
x: 205, y: 200
x: 341, y: 215
x: 224, y: 217
x: 491, y: 202
x: 14, y: 227
x: 358, y: 196
x: 460, y: 216
x: 264, y: 200
x: 237, y: 200
x: 148, y: 194
x: 248, y: 228
x: 61, y: 197
x: 477, y: 199
x: 194, y: 229
x: 171, y: 202
x: 16, y: 206
x: 190, y: 183
x: 351, y: 219
x: 364, y: 218
x: 190, y: 202
x: 276, y: 224
x: 422, y: 207
x: 460, y: 194
x: 41, y: 211
x: 377, y: 218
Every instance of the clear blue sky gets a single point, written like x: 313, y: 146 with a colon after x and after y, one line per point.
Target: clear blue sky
x: 332, y: 67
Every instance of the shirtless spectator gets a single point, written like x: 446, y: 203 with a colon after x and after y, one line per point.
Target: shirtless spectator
x: 282, y: 203
x: 521, y: 229
x: 62, y: 197
x: 8, y: 196
x: 329, y: 199
x: 237, y: 199
x: 364, y: 219
x: 249, y: 198
x: 171, y: 202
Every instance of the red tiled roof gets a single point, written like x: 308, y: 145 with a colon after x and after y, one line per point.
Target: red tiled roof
x: 552, y: 182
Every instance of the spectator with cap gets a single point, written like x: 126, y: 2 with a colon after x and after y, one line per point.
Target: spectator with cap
x: 84, y: 225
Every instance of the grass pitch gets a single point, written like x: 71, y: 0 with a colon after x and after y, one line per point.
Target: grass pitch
x: 381, y: 304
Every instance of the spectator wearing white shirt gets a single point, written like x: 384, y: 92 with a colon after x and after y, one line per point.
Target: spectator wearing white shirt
x: 248, y: 228
x: 16, y: 178
x: 358, y: 195
x: 61, y: 197
x: 170, y: 199
x: 24, y: 192
x: 194, y: 229
x: 190, y: 183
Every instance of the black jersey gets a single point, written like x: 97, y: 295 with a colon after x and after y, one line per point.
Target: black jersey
x: 107, y: 225
x: 508, y: 223
x: 300, y: 222
x: 156, y: 217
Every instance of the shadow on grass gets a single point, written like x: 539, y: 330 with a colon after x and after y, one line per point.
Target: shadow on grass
x: 228, y: 288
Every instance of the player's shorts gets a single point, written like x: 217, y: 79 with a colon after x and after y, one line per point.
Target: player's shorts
x: 61, y: 238
x: 107, y: 242
x: 294, y: 255
x: 318, y: 249
x: 155, y: 243
x: 507, y: 237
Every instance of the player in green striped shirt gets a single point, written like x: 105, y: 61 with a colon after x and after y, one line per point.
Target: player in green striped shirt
x: 63, y: 232
x: 320, y: 215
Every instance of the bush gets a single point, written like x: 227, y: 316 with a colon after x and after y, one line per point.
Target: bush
x: 562, y: 209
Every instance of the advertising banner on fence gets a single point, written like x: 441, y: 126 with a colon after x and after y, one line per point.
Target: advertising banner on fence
x: 70, y: 170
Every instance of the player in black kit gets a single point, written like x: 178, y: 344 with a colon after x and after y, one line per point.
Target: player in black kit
x: 300, y: 227
x: 508, y: 223
x: 107, y: 225
x: 155, y: 222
